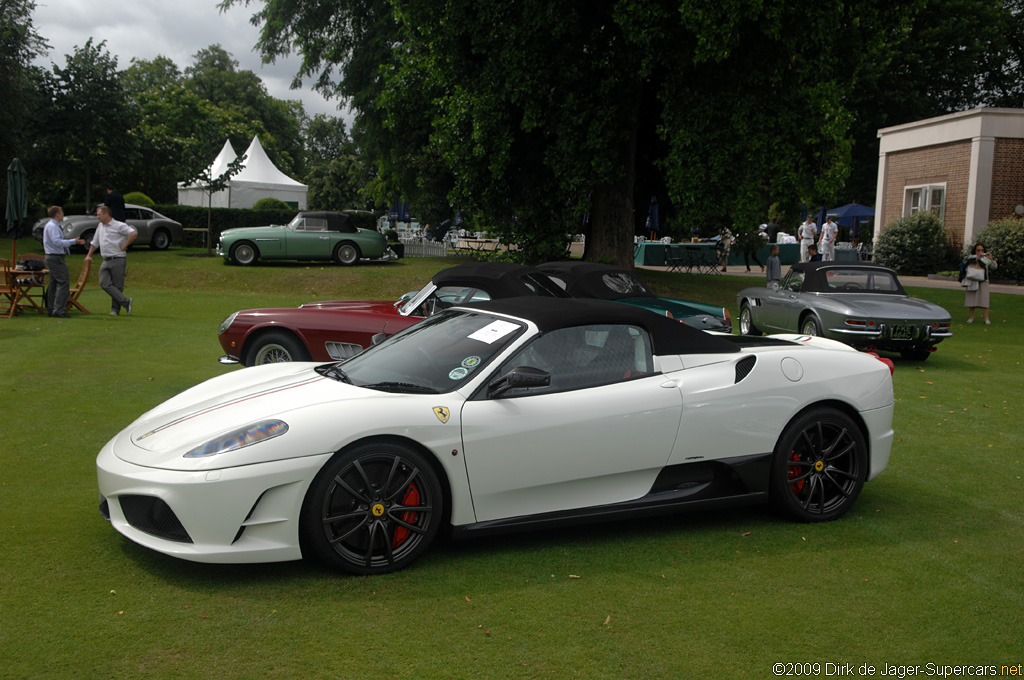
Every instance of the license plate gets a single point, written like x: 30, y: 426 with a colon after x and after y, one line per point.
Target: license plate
x: 902, y: 333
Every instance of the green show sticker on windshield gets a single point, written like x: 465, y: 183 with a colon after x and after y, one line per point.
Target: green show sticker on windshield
x: 458, y: 373
x: 471, y: 362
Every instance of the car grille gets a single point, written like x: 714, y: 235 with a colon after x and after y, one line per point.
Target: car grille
x: 153, y: 516
x: 744, y: 366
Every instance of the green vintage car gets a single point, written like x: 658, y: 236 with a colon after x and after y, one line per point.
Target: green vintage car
x: 309, y: 236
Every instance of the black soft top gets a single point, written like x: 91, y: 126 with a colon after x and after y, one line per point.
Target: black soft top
x: 816, y: 277
x: 595, y: 280
x: 668, y: 336
x: 500, y: 279
x: 336, y: 221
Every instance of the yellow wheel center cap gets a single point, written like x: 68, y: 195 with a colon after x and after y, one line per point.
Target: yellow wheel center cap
x: 819, y: 466
x: 377, y: 510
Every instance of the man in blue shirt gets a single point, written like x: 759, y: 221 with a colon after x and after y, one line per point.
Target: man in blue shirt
x: 55, y: 247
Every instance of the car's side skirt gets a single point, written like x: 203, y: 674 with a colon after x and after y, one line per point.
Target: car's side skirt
x: 702, y: 485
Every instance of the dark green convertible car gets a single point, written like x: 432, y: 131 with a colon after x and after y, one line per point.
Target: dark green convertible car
x: 309, y: 236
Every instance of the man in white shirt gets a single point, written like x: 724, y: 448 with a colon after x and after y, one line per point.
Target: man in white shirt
x: 807, y: 233
x: 112, y: 240
x: 827, y: 244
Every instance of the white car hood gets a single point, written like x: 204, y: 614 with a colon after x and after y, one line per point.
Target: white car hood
x: 221, y: 405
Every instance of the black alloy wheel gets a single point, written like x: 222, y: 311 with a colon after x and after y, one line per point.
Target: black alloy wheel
x: 373, y: 509
x: 819, y: 466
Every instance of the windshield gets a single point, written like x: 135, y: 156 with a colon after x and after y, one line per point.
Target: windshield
x: 436, y: 355
x: 860, y: 280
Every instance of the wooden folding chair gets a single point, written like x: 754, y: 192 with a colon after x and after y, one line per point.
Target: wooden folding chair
x: 9, y: 291
x: 77, y: 289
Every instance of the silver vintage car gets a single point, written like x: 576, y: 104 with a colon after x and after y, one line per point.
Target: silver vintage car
x: 155, y: 230
x: 861, y: 304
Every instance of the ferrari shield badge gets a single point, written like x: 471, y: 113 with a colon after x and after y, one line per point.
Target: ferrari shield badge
x: 442, y: 413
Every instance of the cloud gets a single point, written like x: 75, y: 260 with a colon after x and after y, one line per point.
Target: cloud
x: 145, y: 29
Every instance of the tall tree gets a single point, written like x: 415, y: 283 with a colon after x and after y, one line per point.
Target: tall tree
x: 934, y: 58
x: 19, y: 45
x: 83, y: 127
x: 179, y: 133
x: 216, y: 78
x: 542, y: 111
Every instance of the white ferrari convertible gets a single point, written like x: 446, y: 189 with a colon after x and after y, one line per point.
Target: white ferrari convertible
x: 497, y: 416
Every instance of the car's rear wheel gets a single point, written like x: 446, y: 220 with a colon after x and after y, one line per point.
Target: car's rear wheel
x: 373, y: 509
x: 819, y: 466
x: 915, y: 354
x: 346, y: 253
x: 275, y: 347
x: 747, y: 326
x: 161, y: 240
x: 244, y: 253
x: 810, y: 325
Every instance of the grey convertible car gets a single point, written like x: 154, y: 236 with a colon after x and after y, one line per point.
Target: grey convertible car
x: 861, y: 304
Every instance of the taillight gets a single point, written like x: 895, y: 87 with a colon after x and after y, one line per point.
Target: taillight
x: 887, y: 362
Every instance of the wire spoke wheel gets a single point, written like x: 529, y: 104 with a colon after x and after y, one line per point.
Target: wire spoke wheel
x: 820, y: 466
x: 374, y: 509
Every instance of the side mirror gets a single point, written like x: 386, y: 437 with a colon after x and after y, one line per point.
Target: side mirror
x: 378, y: 338
x: 521, y: 376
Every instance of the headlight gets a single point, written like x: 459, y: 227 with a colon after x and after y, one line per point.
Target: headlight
x: 245, y: 436
x: 226, y: 323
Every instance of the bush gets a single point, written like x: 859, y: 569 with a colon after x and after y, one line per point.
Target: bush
x: 270, y: 203
x: 1005, y: 240
x: 139, y: 198
x: 915, y: 245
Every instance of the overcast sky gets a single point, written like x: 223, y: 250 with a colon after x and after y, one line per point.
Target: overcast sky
x: 145, y: 29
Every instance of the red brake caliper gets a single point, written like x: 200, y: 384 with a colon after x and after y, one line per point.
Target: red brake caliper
x: 794, y: 472
x: 411, y: 497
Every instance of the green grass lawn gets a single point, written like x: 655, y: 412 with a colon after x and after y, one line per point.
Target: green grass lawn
x: 927, y: 567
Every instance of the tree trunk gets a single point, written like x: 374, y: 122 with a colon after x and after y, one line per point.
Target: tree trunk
x: 611, y: 212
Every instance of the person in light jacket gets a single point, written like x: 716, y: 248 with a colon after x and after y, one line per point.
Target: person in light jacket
x: 978, y: 297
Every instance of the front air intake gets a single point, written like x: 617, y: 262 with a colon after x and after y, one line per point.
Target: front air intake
x: 153, y: 516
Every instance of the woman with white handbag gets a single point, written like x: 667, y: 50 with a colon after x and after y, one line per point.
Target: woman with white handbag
x: 974, y: 278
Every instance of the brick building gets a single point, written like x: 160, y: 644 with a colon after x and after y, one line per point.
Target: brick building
x: 968, y: 167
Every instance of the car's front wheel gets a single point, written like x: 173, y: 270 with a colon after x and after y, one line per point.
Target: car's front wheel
x: 373, y: 509
x: 819, y: 466
x: 346, y: 254
x: 88, y: 236
x: 244, y: 253
x: 275, y: 347
x: 810, y: 326
x: 747, y: 326
x: 161, y: 240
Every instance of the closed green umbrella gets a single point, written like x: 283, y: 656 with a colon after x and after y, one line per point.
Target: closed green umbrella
x: 17, y: 203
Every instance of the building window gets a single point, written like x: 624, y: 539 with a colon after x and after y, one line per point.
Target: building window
x: 930, y: 197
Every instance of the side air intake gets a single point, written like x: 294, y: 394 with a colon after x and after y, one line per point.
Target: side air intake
x: 744, y: 366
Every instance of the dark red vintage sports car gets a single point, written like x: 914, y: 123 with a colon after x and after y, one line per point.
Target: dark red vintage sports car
x: 337, y: 329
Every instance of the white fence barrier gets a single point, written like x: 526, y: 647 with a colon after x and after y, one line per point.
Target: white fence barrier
x: 418, y: 247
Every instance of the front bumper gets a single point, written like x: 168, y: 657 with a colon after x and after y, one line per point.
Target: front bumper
x: 234, y: 515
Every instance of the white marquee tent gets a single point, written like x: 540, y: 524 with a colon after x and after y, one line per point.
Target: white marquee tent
x: 258, y: 179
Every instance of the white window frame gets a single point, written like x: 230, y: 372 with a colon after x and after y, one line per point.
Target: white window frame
x: 925, y: 199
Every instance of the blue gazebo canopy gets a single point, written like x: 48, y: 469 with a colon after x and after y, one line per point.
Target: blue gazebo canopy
x: 851, y: 213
